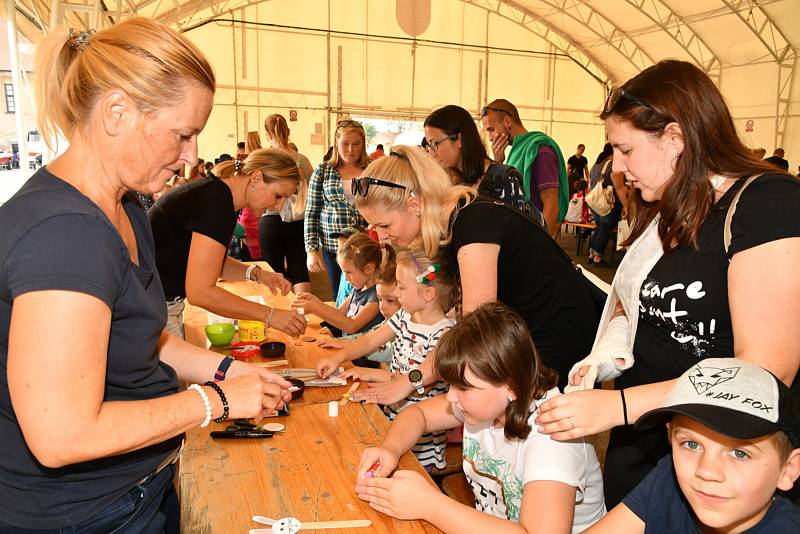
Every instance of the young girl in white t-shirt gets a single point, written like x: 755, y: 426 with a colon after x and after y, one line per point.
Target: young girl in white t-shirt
x: 517, y: 474
x: 425, y: 292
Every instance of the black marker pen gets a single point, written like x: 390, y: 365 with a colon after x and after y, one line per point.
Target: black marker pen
x: 232, y: 434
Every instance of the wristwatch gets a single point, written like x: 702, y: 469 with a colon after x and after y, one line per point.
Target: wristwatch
x: 415, y: 376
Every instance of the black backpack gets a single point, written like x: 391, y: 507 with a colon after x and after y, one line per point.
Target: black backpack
x: 504, y: 183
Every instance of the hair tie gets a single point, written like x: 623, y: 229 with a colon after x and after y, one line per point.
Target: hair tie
x: 238, y: 165
x: 79, y: 40
x: 429, y: 275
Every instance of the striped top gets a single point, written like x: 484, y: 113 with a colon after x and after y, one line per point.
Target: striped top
x: 413, y: 342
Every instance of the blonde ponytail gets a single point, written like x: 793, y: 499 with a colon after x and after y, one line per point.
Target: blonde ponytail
x: 149, y: 61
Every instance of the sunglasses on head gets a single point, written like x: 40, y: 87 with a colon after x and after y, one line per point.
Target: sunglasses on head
x: 344, y: 123
x: 619, y: 92
x: 360, y: 186
x: 486, y: 109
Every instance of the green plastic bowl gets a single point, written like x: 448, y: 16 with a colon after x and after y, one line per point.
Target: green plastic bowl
x: 220, y: 334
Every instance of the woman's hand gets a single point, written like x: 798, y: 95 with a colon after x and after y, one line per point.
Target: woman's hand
x: 407, y: 495
x: 331, y: 343
x: 288, y: 321
x: 396, y: 389
x: 581, y: 413
x: 382, y: 460
x: 240, y: 368
x: 274, y: 281
x: 327, y: 366
x: 249, y: 395
x: 309, y: 302
x: 365, y: 374
x: 314, y: 261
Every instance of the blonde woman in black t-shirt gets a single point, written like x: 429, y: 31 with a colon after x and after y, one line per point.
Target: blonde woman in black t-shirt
x: 695, y: 294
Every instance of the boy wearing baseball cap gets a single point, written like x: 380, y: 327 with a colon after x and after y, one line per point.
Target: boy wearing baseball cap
x: 735, y: 435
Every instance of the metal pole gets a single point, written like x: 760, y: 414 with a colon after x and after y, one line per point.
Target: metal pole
x: 19, y: 100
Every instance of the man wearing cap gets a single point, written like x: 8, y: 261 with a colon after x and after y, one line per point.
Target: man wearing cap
x: 534, y: 154
x: 735, y: 435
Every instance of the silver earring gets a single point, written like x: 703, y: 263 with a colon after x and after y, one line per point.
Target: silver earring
x: 510, y: 399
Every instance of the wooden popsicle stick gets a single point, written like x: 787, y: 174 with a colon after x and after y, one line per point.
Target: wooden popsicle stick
x: 353, y: 523
x: 346, y: 396
x: 276, y: 363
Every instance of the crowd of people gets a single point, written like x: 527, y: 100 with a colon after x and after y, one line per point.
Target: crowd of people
x: 457, y: 305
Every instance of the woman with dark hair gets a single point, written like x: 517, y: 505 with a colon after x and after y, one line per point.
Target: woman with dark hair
x: 693, y: 284
x: 599, y: 163
x: 452, y: 138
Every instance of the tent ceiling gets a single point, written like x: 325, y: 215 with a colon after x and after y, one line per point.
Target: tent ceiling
x: 613, y: 39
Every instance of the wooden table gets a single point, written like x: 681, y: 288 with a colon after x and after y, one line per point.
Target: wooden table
x: 309, y: 472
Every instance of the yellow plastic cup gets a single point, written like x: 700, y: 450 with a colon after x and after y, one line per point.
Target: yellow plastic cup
x: 255, y: 331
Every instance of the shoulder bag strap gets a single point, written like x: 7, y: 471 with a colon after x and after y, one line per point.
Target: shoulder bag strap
x: 726, y: 232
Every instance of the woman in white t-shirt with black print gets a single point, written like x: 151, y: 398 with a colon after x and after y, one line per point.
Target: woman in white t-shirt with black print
x: 522, y: 480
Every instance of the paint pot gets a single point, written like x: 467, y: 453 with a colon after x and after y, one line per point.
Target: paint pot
x: 252, y: 331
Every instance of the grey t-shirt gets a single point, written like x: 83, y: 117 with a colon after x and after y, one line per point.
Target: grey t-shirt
x: 55, y: 238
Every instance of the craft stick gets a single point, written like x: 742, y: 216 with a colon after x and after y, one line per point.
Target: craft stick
x: 353, y: 523
x: 346, y: 396
x: 276, y: 363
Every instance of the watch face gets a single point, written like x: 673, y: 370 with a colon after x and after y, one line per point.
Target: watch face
x: 415, y: 375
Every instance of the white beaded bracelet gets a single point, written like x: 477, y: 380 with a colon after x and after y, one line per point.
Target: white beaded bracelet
x: 206, y: 403
x: 249, y: 273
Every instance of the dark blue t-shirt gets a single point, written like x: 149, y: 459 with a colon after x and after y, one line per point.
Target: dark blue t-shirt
x: 659, y: 502
x: 55, y: 238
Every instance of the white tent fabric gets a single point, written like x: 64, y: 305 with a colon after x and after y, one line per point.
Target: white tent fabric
x: 400, y: 59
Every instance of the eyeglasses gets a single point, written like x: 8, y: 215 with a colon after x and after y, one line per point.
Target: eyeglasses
x: 433, y: 146
x: 486, y: 109
x: 344, y: 123
x: 360, y: 186
x: 619, y: 92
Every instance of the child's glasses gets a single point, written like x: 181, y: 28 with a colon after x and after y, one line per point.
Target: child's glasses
x: 360, y: 186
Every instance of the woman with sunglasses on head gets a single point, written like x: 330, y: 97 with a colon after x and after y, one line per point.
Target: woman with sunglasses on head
x: 281, y: 232
x: 711, y: 271
x: 500, y: 254
x: 329, y: 203
x: 452, y: 138
x: 193, y: 226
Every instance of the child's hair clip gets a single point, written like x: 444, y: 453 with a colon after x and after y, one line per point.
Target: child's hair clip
x: 429, y: 275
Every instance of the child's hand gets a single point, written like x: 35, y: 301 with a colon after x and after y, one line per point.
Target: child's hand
x: 310, y: 303
x: 407, y: 495
x: 367, y: 375
x: 332, y: 343
x: 325, y: 331
x: 377, y: 460
x: 327, y: 366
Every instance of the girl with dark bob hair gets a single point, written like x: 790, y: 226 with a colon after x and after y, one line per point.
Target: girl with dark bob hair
x: 711, y: 270
x: 517, y: 474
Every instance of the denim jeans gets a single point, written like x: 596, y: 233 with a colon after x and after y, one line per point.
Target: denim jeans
x: 148, y: 508
x: 334, y: 271
x: 605, y: 224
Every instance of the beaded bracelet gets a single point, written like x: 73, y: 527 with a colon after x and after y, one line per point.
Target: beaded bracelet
x: 206, y: 404
x: 218, y: 389
x: 269, y: 317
